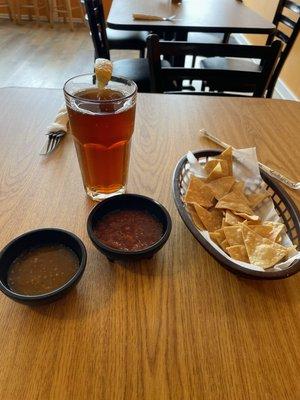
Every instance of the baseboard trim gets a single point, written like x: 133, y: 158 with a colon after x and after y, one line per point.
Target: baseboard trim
x: 281, y: 89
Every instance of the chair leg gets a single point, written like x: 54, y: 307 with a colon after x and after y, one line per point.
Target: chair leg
x: 51, y: 6
x: 36, y: 12
x: 82, y: 13
x: 193, y: 62
x: 47, y: 8
x: 193, y: 66
x: 271, y: 86
x: 142, y: 53
x: 18, y: 12
x: 10, y: 11
x: 29, y: 13
x: 69, y: 14
x: 203, y: 86
x: 226, y: 38
x: 270, y: 92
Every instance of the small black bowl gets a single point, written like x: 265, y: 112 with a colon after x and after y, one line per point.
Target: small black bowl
x: 34, y: 238
x: 129, y: 201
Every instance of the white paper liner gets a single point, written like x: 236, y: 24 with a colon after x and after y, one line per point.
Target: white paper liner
x: 246, y: 169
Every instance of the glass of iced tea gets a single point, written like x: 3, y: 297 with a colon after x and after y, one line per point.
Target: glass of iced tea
x: 102, y: 124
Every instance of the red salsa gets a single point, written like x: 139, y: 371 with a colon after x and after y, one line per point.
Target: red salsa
x: 130, y: 230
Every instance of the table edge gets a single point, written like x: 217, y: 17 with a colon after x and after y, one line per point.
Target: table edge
x: 167, y: 27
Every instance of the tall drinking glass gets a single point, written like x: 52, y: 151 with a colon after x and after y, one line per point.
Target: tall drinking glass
x: 102, y: 123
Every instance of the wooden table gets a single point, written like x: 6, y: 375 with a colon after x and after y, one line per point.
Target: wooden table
x: 178, y: 326
x: 228, y: 16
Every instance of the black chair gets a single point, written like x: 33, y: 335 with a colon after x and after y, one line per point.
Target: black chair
x: 209, y: 38
x: 212, y: 38
x: 288, y: 39
x: 136, y: 69
x: 120, y: 39
x: 161, y: 76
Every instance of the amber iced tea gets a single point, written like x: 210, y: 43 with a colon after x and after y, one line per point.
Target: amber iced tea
x: 102, y: 123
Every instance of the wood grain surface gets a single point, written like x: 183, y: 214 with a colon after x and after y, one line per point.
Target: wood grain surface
x: 178, y: 326
x: 191, y: 15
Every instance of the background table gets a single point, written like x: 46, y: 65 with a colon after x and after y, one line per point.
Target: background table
x: 178, y: 326
x: 228, y: 16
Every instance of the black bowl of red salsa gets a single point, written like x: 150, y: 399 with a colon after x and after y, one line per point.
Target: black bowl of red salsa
x: 129, y: 227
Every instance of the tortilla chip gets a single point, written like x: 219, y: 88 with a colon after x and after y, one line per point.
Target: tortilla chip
x: 278, y: 228
x: 263, y: 230
x: 269, y: 231
x: 252, y: 223
x: 227, y: 155
x: 232, y: 219
x: 235, y: 202
x: 234, y: 235
x: 291, y: 251
x: 216, y: 173
x: 215, y: 237
x: 252, y: 218
x: 224, y: 223
x: 212, y: 220
x: 256, y: 198
x: 195, y: 218
x: 238, y: 187
x: 262, y: 251
x: 219, y: 235
x: 199, y: 193
x: 278, y: 239
x: 224, y: 245
x: 221, y: 186
x: 211, y: 164
x: 238, y: 252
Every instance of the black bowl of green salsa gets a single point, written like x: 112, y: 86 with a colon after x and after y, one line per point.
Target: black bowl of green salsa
x: 41, y: 265
x: 129, y: 227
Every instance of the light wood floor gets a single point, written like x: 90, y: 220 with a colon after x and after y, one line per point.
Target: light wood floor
x: 45, y: 57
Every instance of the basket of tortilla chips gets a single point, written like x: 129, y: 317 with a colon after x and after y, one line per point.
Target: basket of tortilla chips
x: 241, y: 216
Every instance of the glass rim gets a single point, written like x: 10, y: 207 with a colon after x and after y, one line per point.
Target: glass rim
x: 101, y: 101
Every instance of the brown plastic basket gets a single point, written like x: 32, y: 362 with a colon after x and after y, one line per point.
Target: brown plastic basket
x: 284, y: 205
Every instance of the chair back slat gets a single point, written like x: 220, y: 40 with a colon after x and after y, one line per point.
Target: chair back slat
x: 205, y: 74
x: 291, y: 5
x: 96, y: 21
x: 162, y: 76
x: 287, y: 22
x: 216, y: 94
x: 282, y: 36
x: 206, y: 50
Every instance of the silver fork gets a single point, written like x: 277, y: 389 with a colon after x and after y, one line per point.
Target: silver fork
x: 171, y: 18
x: 52, y: 141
